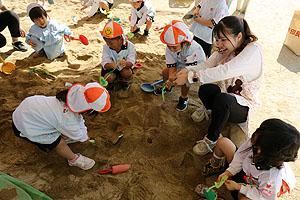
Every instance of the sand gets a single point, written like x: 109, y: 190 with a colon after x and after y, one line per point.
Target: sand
x: 157, y: 143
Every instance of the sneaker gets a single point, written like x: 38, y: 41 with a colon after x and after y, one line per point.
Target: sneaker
x: 125, y: 85
x: 182, y: 104
x: 204, y: 146
x: 18, y: 45
x: 108, y: 15
x: 136, y: 31
x: 200, y: 114
x: 158, y: 91
x: 209, y: 169
x: 82, y: 162
x: 146, y: 33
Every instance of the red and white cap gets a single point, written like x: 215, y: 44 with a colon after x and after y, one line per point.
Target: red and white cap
x: 81, y: 98
x: 174, y: 33
x: 113, y: 29
x: 135, y: 0
x: 32, y: 5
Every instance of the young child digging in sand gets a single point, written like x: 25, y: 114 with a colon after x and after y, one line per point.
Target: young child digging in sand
x: 47, y: 121
x: 142, y: 12
x: 260, y: 163
x: 181, y: 51
x: 96, y: 6
x: 45, y: 36
x: 118, y: 55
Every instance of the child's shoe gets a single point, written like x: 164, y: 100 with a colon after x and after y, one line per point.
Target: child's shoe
x: 146, y: 33
x: 200, y: 114
x: 158, y: 91
x: 82, y: 162
x: 209, y: 169
x: 204, y: 146
x: 108, y: 14
x: 182, y: 104
x: 18, y: 45
x: 125, y: 85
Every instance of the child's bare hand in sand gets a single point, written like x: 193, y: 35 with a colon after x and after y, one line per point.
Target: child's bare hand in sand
x: 32, y: 43
x: 84, y: 7
x: 85, y: 18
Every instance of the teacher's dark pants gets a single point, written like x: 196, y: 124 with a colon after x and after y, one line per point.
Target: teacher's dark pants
x: 9, y: 19
x: 225, y: 108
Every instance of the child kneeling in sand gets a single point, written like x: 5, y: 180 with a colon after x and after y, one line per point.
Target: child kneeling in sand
x: 181, y: 51
x: 96, y: 6
x: 118, y: 55
x: 142, y: 12
x: 260, y: 164
x: 45, y: 36
x: 47, y: 121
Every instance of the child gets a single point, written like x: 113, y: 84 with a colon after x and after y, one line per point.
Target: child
x: 96, y: 5
x: 236, y: 70
x: 181, y: 51
x: 118, y: 53
x: 142, y: 12
x: 46, y: 121
x: 208, y: 13
x: 45, y: 36
x: 260, y: 162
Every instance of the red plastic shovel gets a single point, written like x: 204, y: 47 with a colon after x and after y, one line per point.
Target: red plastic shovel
x: 116, y: 169
x: 82, y: 39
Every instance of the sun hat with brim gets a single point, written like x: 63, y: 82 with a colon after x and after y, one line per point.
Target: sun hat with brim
x: 32, y: 5
x: 113, y: 29
x: 175, y: 33
x: 81, y: 98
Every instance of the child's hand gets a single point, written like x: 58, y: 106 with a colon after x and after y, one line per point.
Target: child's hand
x: 169, y: 84
x: 133, y: 28
x: 226, y: 173
x: 122, y: 63
x: 22, y: 32
x: 85, y: 18
x: 232, y: 185
x: 32, y: 43
x: 84, y: 7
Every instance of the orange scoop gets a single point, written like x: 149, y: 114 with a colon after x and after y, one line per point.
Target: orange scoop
x: 7, y: 67
x: 116, y: 169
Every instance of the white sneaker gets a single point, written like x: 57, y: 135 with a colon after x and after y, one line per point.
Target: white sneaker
x: 200, y: 114
x: 204, y: 146
x: 82, y: 162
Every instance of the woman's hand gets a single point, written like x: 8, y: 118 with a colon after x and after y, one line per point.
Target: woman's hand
x: 181, y: 77
x: 232, y: 185
x: 22, y: 32
x: 227, y: 173
x: 32, y: 43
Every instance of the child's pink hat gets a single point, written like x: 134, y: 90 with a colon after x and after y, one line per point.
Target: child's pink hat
x: 81, y: 98
x: 113, y: 29
x: 174, y: 33
x: 32, y: 5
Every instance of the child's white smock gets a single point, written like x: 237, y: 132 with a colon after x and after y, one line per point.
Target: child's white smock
x: 49, y: 38
x: 210, y: 10
x: 42, y: 119
x: 147, y: 10
x: 95, y: 5
x: 269, y: 182
x: 246, y: 66
x: 128, y: 52
x: 189, y: 55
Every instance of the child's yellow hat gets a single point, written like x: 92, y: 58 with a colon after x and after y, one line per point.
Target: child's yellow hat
x: 174, y: 33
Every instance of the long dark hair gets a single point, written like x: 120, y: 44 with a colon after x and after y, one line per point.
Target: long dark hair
x: 233, y: 25
x: 278, y: 141
x: 62, y: 96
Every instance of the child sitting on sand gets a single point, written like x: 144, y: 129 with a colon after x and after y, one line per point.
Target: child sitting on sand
x: 118, y: 55
x: 259, y: 164
x: 96, y: 6
x: 45, y: 36
x: 142, y: 12
x: 47, y: 121
x: 181, y: 51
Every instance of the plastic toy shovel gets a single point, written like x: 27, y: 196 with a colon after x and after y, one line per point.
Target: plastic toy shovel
x: 211, y: 195
x: 116, y: 169
x: 7, y: 67
x: 82, y: 39
x: 147, y: 87
x: 189, y: 16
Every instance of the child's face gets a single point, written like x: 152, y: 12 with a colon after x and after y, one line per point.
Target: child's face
x: 115, y: 44
x: 137, y: 4
x: 41, y: 21
x: 175, y: 49
x: 227, y: 46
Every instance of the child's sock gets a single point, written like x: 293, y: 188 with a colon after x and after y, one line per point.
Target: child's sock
x: 75, y: 158
x: 215, y: 160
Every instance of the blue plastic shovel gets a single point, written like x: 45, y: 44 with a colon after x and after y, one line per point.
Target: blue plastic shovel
x: 148, y: 87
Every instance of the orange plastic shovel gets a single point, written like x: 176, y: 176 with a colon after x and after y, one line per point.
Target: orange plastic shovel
x: 116, y: 169
x: 81, y: 38
x: 7, y: 67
